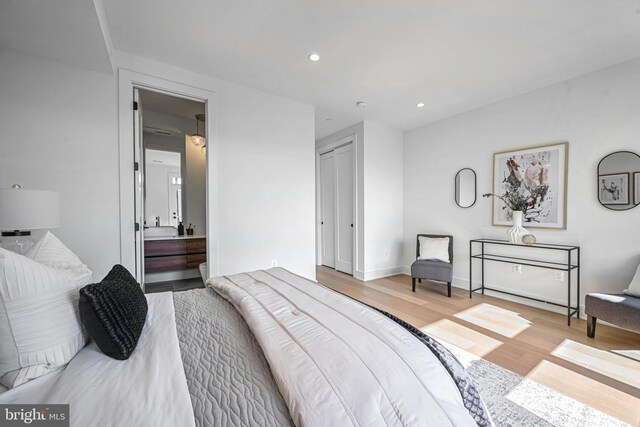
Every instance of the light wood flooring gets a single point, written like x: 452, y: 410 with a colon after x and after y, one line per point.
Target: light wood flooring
x: 603, y: 372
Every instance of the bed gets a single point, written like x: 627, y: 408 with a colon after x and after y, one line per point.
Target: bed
x: 265, y: 348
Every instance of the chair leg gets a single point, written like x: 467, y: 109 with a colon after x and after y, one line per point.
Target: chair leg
x: 413, y: 283
x: 449, y: 289
x: 419, y: 280
x: 591, y: 326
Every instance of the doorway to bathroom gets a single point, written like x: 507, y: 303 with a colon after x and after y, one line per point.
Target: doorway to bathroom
x: 170, y: 143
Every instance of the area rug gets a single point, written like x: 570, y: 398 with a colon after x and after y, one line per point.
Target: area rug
x: 514, y: 400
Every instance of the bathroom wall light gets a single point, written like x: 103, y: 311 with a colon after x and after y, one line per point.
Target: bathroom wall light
x: 197, y: 139
x: 314, y: 57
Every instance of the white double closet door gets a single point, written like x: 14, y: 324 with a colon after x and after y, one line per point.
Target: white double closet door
x: 336, y: 182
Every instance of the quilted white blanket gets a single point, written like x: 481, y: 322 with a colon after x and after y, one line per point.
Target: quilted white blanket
x: 336, y: 361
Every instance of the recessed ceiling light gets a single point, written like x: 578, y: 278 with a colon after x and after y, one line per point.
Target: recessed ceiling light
x: 362, y: 104
x: 314, y: 57
x: 420, y: 104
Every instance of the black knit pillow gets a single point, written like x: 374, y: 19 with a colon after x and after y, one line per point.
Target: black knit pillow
x: 113, y: 312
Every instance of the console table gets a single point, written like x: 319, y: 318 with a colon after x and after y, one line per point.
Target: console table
x: 572, y: 254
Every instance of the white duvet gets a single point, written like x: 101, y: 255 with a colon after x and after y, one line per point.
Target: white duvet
x: 148, y: 389
x: 339, y: 363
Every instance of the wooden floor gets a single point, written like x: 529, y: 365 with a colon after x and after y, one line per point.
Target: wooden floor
x: 174, y: 285
x: 603, y: 372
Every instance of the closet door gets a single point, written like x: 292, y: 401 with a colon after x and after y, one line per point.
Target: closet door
x: 344, y: 208
x: 328, y: 195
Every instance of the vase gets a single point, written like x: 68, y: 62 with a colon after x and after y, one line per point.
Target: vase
x: 516, y: 232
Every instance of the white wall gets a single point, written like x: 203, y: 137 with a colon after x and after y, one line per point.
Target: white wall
x: 266, y: 180
x: 597, y: 113
x: 58, y: 131
x: 379, y: 196
x: 195, y: 187
x: 383, y: 207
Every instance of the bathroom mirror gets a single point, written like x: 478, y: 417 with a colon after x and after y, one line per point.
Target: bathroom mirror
x: 163, y: 188
x: 619, y: 181
x: 465, y: 188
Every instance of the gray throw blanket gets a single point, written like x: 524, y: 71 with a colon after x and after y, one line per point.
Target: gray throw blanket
x: 228, y: 377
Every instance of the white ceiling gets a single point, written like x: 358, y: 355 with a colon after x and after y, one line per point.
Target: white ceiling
x: 453, y: 55
x: 73, y: 32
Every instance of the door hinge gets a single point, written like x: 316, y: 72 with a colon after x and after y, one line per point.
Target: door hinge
x: 136, y: 166
x: 137, y: 226
x: 135, y: 105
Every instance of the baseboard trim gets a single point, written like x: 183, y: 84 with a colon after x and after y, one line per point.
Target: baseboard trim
x: 382, y: 273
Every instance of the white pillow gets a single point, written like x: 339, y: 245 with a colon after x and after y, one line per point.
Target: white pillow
x: 434, y: 249
x: 50, y: 251
x: 634, y: 287
x: 40, y: 329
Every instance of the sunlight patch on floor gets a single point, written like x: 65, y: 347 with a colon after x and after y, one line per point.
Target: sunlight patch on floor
x: 579, y: 388
x: 631, y: 354
x: 499, y: 320
x: 617, y: 367
x: 462, y: 337
x: 397, y: 294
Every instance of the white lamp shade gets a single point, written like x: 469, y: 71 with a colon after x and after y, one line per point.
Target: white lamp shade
x: 22, y: 209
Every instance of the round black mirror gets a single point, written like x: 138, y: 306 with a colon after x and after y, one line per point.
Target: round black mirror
x: 619, y: 181
x: 465, y: 188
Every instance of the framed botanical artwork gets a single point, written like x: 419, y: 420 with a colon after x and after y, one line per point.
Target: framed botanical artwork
x: 613, y: 188
x: 540, y: 175
x: 636, y: 188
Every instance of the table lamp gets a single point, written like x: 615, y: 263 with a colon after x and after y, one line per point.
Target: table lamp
x: 24, y: 210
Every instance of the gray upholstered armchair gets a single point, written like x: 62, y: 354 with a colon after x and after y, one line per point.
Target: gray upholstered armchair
x: 432, y: 270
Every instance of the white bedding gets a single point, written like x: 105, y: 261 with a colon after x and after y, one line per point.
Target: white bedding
x: 339, y: 363
x: 148, y: 389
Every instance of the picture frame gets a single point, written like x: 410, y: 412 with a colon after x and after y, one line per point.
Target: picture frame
x: 614, y: 188
x: 540, y: 172
x: 636, y: 188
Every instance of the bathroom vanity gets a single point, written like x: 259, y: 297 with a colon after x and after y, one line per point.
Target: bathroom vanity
x: 176, y: 253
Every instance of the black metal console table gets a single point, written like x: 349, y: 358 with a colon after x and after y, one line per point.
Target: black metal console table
x: 572, y: 263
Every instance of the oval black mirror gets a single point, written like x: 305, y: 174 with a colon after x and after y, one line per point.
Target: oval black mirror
x: 619, y: 181
x: 465, y: 188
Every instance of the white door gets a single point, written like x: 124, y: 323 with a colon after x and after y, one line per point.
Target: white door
x: 327, y: 200
x: 344, y: 208
x: 138, y: 158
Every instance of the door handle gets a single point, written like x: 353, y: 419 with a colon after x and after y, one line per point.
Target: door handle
x: 351, y: 225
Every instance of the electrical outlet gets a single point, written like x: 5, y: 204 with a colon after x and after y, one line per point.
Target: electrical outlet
x: 558, y: 275
x: 517, y: 268
x: 274, y: 263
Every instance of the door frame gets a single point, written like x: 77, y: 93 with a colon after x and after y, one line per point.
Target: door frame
x: 351, y: 139
x: 127, y: 81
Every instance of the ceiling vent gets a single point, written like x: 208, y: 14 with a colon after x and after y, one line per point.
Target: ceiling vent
x: 161, y: 132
